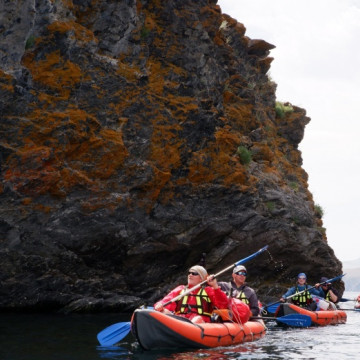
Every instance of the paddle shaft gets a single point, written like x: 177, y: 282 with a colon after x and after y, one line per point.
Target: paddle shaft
x: 242, y: 261
x: 297, y: 320
x: 312, y: 287
x: 263, y: 318
x: 300, y: 292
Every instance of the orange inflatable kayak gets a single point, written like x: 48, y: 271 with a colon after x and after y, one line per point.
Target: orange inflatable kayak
x: 321, y: 317
x: 154, y: 330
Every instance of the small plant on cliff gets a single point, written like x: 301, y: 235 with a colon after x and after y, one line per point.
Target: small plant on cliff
x: 322, y: 230
x: 281, y: 109
x: 244, y: 155
x: 144, y: 33
x: 294, y: 185
x: 270, y: 205
x: 251, y: 85
x: 319, y: 212
x: 30, y: 42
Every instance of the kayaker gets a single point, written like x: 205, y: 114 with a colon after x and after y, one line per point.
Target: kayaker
x: 197, y: 306
x: 239, y: 289
x: 326, y: 290
x: 304, y: 298
x: 357, y: 303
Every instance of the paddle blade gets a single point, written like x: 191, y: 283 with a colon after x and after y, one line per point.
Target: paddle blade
x: 251, y: 256
x: 272, y: 308
x: 113, y: 333
x: 296, y: 320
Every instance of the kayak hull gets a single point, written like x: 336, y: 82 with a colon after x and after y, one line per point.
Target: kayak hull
x: 318, y: 318
x: 154, y: 330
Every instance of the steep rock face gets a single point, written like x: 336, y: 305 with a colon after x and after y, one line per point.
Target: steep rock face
x: 135, y: 136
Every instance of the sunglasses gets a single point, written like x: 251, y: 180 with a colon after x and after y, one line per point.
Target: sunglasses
x: 241, y: 273
x: 302, y: 278
x: 193, y: 273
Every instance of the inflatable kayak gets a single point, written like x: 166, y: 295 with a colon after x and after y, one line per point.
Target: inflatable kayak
x: 321, y: 317
x: 154, y: 330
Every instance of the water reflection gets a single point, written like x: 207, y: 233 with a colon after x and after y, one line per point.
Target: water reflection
x: 112, y: 352
x: 73, y: 337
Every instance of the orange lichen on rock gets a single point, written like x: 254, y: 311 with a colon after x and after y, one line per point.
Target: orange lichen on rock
x: 31, y: 171
x: 262, y: 152
x: 159, y: 77
x: 156, y: 78
x: 153, y: 188
x: 106, y: 152
x: 240, y: 114
x: 64, y: 150
x: 165, y: 145
x: 218, y: 163
x: 78, y: 31
x: 130, y: 72
x: 6, y: 82
x: 200, y: 168
x: 55, y: 73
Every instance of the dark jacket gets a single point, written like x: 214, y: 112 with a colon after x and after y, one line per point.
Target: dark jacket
x: 243, y: 293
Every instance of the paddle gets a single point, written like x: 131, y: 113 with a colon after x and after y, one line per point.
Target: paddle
x: 113, y: 333
x: 270, y: 309
x: 216, y: 275
x: 295, y: 320
x: 300, y: 292
x: 116, y: 332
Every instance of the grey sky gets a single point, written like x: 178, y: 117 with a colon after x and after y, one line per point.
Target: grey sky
x: 317, y: 67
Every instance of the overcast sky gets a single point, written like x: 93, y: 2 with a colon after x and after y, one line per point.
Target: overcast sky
x: 317, y: 67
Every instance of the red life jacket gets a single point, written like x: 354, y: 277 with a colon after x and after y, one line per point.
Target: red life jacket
x: 199, y: 303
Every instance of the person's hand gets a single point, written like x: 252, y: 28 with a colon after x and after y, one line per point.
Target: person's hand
x: 212, y: 282
x: 282, y: 299
x: 159, y: 307
x: 317, y: 285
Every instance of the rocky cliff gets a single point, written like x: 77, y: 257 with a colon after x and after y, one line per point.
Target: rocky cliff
x: 136, y: 136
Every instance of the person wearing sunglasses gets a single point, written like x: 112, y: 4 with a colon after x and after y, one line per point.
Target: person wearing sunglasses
x: 327, y: 291
x: 239, y: 289
x: 304, y: 299
x: 198, y: 305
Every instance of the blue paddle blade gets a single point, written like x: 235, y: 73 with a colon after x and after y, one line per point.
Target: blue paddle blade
x: 296, y: 320
x: 272, y: 308
x: 113, y: 333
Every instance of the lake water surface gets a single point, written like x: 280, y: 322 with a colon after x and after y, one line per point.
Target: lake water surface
x: 73, y: 337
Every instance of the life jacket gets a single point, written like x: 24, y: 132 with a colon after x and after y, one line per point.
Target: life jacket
x: 302, y: 299
x: 327, y: 296
x: 241, y: 296
x: 203, y: 305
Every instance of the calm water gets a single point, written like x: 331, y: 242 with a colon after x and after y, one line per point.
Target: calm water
x: 73, y: 337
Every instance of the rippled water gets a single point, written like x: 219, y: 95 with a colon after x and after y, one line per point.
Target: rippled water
x: 73, y: 337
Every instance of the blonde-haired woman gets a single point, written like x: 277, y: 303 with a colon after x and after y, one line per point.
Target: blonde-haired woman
x: 199, y: 304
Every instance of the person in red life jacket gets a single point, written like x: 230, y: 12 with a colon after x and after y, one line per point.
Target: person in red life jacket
x: 326, y: 290
x: 239, y: 289
x: 304, y: 299
x: 198, y: 305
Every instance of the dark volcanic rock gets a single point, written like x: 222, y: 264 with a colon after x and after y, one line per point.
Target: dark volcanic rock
x: 136, y: 136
